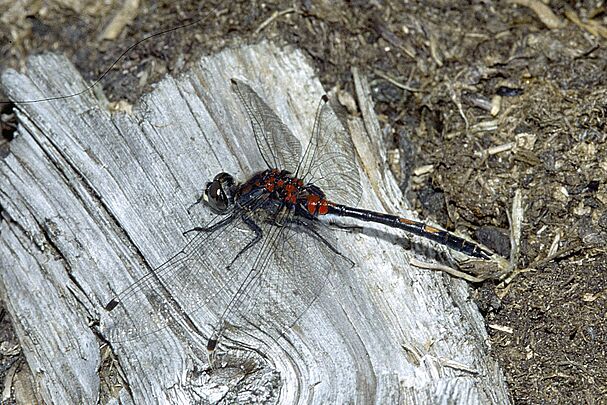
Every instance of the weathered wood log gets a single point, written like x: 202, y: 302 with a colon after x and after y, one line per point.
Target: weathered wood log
x: 92, y: 200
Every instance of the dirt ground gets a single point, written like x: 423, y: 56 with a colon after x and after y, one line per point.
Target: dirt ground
x: 477, y: 100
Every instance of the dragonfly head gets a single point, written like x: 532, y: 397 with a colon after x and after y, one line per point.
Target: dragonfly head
x: 219, y: 193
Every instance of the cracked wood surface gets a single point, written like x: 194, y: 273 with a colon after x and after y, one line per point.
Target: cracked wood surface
x: 92, y: 200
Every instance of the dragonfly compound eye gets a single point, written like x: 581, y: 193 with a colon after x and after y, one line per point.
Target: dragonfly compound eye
x: 219, y: 193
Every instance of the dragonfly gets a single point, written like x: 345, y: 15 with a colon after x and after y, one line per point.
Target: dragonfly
x: 267, y: 254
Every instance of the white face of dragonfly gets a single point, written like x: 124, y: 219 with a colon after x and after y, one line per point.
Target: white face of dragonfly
x: 219, y: 193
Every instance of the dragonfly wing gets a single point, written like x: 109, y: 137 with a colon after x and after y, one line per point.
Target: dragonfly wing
x: 278, y: 146
x: 195, y: 279
x: 290, y: 270
x: 329, y: 160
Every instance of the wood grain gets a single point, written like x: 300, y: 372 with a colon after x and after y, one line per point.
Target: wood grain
x: 92, y: 200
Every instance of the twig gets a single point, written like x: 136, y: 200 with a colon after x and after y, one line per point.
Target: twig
x: 446, y: 269
x: 274, y: 16
x: 394, y: 81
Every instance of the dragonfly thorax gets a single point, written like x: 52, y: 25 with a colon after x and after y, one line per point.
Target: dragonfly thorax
x: 282, y: 186
x: 306, y: 199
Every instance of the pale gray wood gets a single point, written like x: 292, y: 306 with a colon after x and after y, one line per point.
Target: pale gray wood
x: 93, y: 200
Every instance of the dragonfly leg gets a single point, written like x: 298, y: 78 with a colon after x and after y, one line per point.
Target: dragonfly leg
x: 258, y: 235
x: 346, y: 228
x: 211, y: 228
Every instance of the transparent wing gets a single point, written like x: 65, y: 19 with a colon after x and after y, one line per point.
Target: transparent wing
x: 197, y: 278
x: 278, y: 147
x: 328, y: 161
x: 223, y: 278
x: 294, y: 262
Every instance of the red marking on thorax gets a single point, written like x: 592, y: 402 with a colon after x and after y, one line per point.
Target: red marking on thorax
x: 291, y: 193
x: 288, y: 188
x: 270, y: 183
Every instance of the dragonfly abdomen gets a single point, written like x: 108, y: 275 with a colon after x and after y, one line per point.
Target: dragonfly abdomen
x: 418, y: 228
